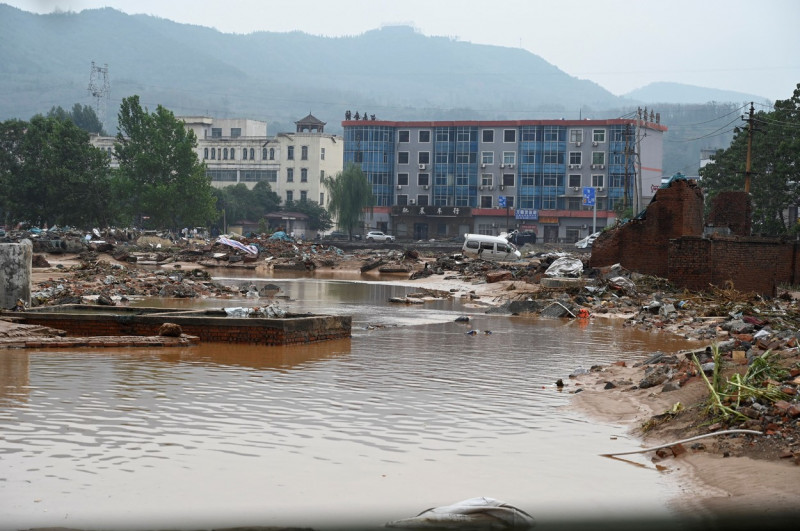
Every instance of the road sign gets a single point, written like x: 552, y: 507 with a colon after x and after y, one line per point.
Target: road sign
x: 501, y: 201
x: 588, y: 196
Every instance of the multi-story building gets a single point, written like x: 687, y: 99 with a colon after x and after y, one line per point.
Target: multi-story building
x: 240, y: 151
x: 442, y: 179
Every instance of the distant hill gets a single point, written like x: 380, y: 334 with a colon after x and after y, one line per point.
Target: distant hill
x: 663, y: 92
x: 394, y: 73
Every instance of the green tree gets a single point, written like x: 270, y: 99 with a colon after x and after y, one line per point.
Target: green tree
x: 775, y: 159
x: 319, y: 219
x: 240, y: 203
x: 81, y: 115
x: 159, y: 169
x: 51, y: 175
x: 350, y: 193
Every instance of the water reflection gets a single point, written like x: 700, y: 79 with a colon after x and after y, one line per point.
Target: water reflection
x: 411, y: 412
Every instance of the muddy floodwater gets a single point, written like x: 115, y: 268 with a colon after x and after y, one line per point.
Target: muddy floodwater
x: 410, y: 413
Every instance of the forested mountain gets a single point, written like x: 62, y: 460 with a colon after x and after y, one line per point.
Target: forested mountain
x: 395, y: 73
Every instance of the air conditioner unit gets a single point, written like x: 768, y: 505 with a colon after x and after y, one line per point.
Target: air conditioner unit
x: 594, y: 144
x: 483, y: 165
x: 572, y: 166
x: 602, y: 166
x: 600, y: 188
x: 422, y: 166
x: 490, y: 188
x: 502, y: 165
x: 578, y: 166
x: 480, y: 187
x: 399, y: 186
x: 575, y: 188
x: 502, y: 187
x: 578, y: 144
x: 425, y: 187
x: 411, y: 201
x: 594, y: 166
x: 510, y: 165
x: 584, y: 226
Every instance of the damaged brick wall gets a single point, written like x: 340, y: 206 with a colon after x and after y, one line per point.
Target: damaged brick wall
x: 733, y: 210
x: 643, y: 244
x: 757, y: 265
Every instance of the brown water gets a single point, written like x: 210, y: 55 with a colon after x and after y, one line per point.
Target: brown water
x: 408, y: 414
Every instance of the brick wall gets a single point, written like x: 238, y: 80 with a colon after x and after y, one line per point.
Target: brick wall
x: 643, y: 244
x: 733, y: 210
x: 757, y: 265
x: 284, y: 331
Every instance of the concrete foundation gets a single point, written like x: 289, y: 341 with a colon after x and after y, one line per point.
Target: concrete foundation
x: 16, y: 260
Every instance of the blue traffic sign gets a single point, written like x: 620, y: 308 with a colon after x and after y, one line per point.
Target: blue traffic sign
x: 588, y: 196
x: 501, y: 201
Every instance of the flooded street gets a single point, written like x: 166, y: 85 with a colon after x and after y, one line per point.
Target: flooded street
x: 410, y: 413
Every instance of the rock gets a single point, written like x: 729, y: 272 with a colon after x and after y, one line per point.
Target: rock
x: 654, y: 377
x: 39, y: 261
x: 497, y: 276
x: 670, y: 386
x: 610, y: 385
x: 170, y: 330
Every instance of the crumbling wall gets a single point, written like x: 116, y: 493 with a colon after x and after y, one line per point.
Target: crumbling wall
x: 733, y: 210
x: 643, y: 244
x: 757, y: 265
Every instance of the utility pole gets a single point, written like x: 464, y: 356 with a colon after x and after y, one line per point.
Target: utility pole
x: 749, y: 150
x: 627, y: 196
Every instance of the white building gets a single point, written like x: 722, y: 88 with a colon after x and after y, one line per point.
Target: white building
x: 239, y: 150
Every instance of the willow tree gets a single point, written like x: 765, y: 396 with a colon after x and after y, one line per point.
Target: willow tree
x: 350, y: 194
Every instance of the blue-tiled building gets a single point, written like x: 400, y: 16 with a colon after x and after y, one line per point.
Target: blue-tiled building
x: 499, y: 175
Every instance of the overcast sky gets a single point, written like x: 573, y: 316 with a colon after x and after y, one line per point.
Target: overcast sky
x: 741, y: 45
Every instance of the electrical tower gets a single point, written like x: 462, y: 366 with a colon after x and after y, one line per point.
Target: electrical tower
x: 100, y: 90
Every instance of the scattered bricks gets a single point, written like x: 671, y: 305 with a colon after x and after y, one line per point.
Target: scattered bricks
x: 793, y: 411
x: 677, y: 450
x: 740, y: 357
x: 497, y: 276
x: 620, y: 364
x: 782, y: 406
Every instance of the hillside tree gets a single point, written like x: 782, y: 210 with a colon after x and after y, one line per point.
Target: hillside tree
x: 160, y: 179
x: 350, y: 194
x: 775, y: 166
x: 319, y: 219
x: 83, y: 116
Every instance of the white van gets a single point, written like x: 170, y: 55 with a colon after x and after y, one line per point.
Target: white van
x: 489, y: 248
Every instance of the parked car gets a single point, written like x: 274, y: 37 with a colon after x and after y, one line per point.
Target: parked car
x: 587, y: 242
x: 339, y: 235
x: 489, y: 248
x: 378, y: 236
x: 521, y: 238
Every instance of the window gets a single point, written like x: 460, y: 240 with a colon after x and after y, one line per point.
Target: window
x: 488, y: 136
x: 424, y: 157
x: 508, y: 179
x: 289, y: 175
x: 304, y: 153
x: 424, y: 137
x: 289, y: 195
x: 233, y: 151
x: 442, y: 135
x: 487, y: 157
x: 599, y: 135
x: 422, y: 200
x: 486, y: 179
x: 303, y: 195
x: 423, y: 179
x: 303, y: 175
x: 322, y: 198
x: 402, y: 199
x: 205, y: 153
x: 225, y: 154
x: 244, y: 154
x: 263, y: 153
x: 321, y: 175
x: 402, y: 157
x: 553, y: 157
x: 575, y: 136
x: 252, y: 153
x: 509, y: 135
x: 574, y: 203
x: 213, y: 154
x: 321, y: 153
x: 510, y: 201
x: 574, y: 180
x: 463, y: 135
x: 290, y: 152
x: 598, y: 158
x: 404, y: 136
x: 486, y: 201
x: 271, y: 153
x: 575, y: 158
x: 236, y: 132
x: 216, y: 132
x: 597, y: 181
x: 509, y: 157
x: 402, y: 179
